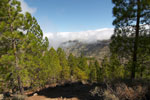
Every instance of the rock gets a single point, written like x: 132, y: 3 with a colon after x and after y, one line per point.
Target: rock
x: 1, y: 96
x: 84, y: 82
x: 35, y: 94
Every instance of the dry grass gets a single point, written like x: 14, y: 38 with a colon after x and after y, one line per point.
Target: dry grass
x: 130, y: 93
x: 19, y: 97
x: 121, y: 91
x: 108, y: 95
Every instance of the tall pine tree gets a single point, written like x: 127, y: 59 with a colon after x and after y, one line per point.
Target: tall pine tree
x: 65, y: 73
x: 54, y: 64
x: 12, y: 37
x: 131, y: 18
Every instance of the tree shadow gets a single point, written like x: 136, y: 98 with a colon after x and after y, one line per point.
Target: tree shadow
x: 78, y: 90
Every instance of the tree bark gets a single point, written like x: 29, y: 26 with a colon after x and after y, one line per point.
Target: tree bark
x: 16, y: 58
x: 20, y: 87
x: 134, y: 65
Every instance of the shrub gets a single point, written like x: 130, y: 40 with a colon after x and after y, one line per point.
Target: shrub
x: 121, y: 91
x: 131, y: 93
x: 108, y: 95
x: 124, y: 92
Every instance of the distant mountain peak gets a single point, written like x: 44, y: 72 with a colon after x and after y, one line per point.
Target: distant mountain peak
x: 90, y: 36
x: 97, y: 49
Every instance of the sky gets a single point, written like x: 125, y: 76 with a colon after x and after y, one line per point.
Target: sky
x: 58, y: 17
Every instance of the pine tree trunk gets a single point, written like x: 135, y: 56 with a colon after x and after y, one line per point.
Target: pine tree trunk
x: 136, y: 41
x: 17, y: 68
x: 16, y: 58
x: 20, y: 85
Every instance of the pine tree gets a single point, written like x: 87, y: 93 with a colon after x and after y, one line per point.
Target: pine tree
x: 22, y: 46
x: 83, y: 64
x: 72, y: 61
x: 98, y: 71
x: 116, y: 69
x: 33, y: 49
x: 105, y: 74
x: 131, y: 16
x: 112, y: 68
x: 54, y: 64
x: 65, y: 73
x: 79, y: 74
x: 12, y: 37
x: 93, y: 72
x: 76, y: 72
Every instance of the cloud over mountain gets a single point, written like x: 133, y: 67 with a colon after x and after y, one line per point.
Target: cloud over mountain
x: 57, y: 38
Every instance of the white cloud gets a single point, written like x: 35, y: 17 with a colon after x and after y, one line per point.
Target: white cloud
x: 56, y: 39
x: 26, y: 8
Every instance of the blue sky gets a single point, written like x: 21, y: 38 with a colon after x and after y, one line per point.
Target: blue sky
x: 72, y: 15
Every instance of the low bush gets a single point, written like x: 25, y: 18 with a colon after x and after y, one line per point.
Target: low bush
x: 121, y: 91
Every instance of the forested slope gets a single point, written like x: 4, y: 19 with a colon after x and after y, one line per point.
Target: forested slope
x: 27, y: 62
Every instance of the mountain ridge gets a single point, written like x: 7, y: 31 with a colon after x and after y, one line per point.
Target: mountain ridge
x: 98, y: 49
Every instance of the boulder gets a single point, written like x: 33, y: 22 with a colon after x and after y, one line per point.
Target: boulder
x: 35, y: 94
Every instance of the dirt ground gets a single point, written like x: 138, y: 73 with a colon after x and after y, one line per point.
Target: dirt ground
x: 45, y: 98
x: 73, y: 91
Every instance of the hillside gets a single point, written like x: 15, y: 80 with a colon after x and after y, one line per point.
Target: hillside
x: 97, y: 49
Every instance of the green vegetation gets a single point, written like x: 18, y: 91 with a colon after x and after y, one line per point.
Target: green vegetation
x: 131, y: 36
x: 27, y: 61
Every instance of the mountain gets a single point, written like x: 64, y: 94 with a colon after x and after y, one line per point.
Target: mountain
x: 98, y: 49
x: 56, y: 38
